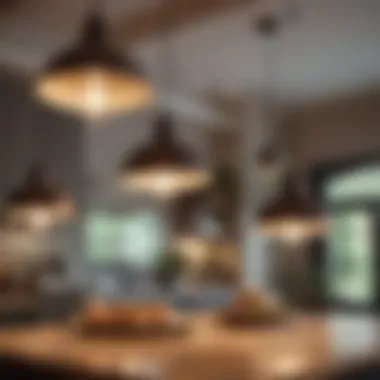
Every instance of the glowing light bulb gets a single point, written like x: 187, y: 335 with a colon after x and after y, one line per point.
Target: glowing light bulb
x: 39, y: 218
x: 164, y: 184
x: 293, y: 232
x: 95, y: 94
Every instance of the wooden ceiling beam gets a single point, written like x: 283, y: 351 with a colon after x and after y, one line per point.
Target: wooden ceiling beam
x: 147, y: 23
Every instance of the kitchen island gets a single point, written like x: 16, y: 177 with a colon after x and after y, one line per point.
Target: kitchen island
x: 298, y: 346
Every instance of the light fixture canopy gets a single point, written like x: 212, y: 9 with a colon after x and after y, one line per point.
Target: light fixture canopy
x: 92, y: 79
x: 291, y: 218
x: 38, y: 204
x: 164, y: 168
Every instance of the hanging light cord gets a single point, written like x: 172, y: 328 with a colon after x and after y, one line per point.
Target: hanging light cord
x: 168, y: 69
x: 33, y: 134
x: 97, y: 7
x: 268, y: 27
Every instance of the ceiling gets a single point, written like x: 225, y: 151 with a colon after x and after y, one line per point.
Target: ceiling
x: 329, y: 47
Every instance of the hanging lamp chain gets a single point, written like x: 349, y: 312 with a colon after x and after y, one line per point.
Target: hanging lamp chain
x: 164, y: 126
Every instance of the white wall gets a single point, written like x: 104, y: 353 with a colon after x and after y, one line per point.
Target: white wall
x: 29, y: 133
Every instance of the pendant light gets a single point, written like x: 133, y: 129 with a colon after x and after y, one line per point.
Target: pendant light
x: 20, y: 246
x: 164, y: 168
x: 271, y: 166
x: 205, y: 222
x: 287, y: 216
x: 92, y: 79
x: 291, y: 218
x: 192, y: 231
x: 13, y: 237
x: 202, y: 237
x: 195, y: 217
x: 37, y: 203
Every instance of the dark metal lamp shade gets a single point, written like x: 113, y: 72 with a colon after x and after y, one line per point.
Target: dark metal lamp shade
x: 92, y: 79
x: 37, y: 204
x: 164, y: 168
x: 290, y: 218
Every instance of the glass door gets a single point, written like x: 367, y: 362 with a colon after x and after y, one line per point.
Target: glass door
x: 351, y: 253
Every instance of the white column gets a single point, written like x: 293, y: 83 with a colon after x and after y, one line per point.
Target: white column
x: 253, y: 246
x: 75, y: 231
x: 257, y: 260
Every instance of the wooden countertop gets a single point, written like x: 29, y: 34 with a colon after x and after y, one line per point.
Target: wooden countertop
x: 298, y: 346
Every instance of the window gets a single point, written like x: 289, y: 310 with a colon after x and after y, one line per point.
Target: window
x: 353, y: 199
x: 136, y: 239
x: 350, y: 258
